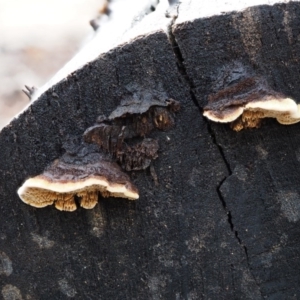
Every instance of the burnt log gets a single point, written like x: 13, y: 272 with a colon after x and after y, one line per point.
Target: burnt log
x: 218, y: 212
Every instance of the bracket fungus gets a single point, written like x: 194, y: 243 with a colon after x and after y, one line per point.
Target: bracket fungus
x: 83, y: 175
x: 87, y: 169
x: 135, y: 117
x: 245, y: 103
x: 131, y: 119
x: 138, y: 156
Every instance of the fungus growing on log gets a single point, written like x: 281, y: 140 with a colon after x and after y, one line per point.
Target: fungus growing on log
x: 291, y: 118
x: 140, y: 106
x: 247, y: 102
x: 83, y: 175
x: 138, y: 156
x: 135, y: 117
x: 131, y: 119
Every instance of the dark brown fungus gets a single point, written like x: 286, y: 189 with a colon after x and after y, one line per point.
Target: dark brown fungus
x: 140, y: 106
x: 131, y: 119
x: 245, y: 103
x: 138, y: 156
x: 107, y: 136
x: 135, y: 118
x: 85, y: 175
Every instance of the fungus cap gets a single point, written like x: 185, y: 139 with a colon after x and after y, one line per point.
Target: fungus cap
x: 288, y: 119
x: 84, y: 177
x: 280, y: 105
x: 249, y: 101
x: 135, y: 106
x: 225, y: 116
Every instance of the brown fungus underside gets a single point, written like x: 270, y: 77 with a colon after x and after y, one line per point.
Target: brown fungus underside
x: 245, y: 103
x: 83, y: 176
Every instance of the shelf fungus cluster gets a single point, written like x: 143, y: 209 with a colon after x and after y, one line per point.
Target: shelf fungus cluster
x: 82, y: 177
x: 92, y: 167
x: 245, y: 103
x: 133, y: 119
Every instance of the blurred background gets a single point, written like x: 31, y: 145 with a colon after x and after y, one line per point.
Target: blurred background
x: 36, y: 39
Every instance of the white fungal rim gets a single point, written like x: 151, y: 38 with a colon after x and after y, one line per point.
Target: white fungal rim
x: 238, y: 111
x: 286, y: 105
x: 74, y: 186
x: 276, y: 106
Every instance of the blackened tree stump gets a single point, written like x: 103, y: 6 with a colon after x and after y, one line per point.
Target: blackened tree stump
x: 222, y: 222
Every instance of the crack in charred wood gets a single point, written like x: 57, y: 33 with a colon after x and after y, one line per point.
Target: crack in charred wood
x: 183, y: 72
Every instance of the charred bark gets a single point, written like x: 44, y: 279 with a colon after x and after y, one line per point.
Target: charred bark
x: 218, y: 210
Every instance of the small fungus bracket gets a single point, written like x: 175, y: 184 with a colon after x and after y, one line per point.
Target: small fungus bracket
x: 138, y: 156
x: 83, y: 173
x: 135, y: 118
x: 132, y: 119
x: 244, y: 99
